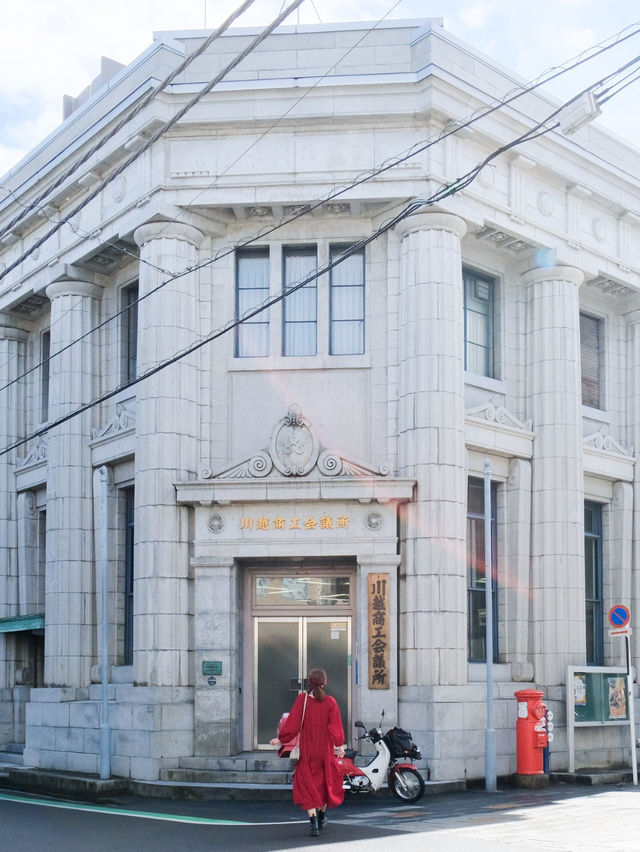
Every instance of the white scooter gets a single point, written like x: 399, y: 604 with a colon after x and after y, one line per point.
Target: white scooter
x: 404, y: 780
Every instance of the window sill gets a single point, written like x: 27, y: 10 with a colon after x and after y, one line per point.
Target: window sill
x: 484, y: 382
x: 309, y: 362
x: 596, y: 414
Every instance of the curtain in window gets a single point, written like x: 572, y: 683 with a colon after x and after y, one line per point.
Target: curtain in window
x: 590, y: 360
x: 252, y: 288
x: 347, y: 304
x: 301, y: 307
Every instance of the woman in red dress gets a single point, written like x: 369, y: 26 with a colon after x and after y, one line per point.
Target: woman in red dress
x: 317, y: 782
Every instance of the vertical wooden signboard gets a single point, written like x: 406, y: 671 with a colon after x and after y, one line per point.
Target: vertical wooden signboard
x: 379, y: 593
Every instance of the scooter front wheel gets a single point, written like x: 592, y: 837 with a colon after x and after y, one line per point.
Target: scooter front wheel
x: 406, y: 784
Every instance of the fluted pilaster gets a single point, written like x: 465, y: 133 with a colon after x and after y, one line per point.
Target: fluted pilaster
x: 69, y: 599
x: 557, y: 507
x: 431, y: 449
x: 167, y: 431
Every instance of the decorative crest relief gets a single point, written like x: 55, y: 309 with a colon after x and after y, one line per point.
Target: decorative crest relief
x: 498, y: 414
x: 124, y: 421
x: 36, y: 455
x: 294, y: 450
x: 601, y: 440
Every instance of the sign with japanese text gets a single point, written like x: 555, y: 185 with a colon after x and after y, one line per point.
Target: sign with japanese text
x: 379, y: 635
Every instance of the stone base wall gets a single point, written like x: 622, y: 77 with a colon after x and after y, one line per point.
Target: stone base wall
x: 449, y: 723
x: 6, y: 717
x: 151, y: 728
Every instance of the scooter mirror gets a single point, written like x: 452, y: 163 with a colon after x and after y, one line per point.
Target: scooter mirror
x: 359, y: 724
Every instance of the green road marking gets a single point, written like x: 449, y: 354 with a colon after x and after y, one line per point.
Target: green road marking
x: 47, y: 803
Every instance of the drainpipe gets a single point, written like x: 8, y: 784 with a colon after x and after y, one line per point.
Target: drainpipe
x: 105, y: 731
x: 490, y: 734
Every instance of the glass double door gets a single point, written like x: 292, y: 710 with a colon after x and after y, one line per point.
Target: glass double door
x: 286, y: 649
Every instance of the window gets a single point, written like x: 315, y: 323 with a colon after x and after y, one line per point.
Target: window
x: 346, y: 309
x: 476, y: 609
x: 478, y: 323
x: 593, y: 581
x: 590, y: 358
x: 300, y: 311
x: 252, y: 288
x: 129, y: 501
x: 45, y: 352
x: 129, y: 333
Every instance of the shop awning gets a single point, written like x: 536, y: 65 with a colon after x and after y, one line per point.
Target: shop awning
x: 22, y: 622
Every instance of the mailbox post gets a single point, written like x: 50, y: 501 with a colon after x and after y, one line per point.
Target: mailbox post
x: 531, y: 738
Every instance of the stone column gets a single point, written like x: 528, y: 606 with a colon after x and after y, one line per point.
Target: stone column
x: 431, y: 449
x: 633, y: 439
x: 218, y: 615
x: 167, y: 432
x: 516, y: 582
x: 12, y: 363
x: 28, y: 568
x: 69, y: 593
x: 557, y: 507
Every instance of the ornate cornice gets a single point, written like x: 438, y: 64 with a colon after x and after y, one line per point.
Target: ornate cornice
x: 294, y: 451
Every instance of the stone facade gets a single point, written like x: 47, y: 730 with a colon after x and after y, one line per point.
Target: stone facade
x: 237, y: 480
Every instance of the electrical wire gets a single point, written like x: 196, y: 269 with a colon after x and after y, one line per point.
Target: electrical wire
x: 447, y: 190
x: 125, y: 119
x: 365, y: 176
x: 156, y: 135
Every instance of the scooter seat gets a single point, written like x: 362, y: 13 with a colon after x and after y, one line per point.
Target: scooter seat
x: 351, y: 753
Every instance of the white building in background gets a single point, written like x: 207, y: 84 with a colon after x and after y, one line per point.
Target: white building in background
x: 306, y: 489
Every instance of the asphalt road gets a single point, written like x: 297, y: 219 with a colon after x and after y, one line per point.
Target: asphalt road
x: 560, y: 817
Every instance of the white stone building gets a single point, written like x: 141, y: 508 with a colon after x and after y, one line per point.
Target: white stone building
x: 306, y: 488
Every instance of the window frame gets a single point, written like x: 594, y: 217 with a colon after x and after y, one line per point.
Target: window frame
x: 594, y: 605
x: 129, y: 295
x: 591, y: 361
x: 242, y: 348
x: 469, y: 277
x: 45, y: 374
x: 335, y: 249
x: 291, y: 251
x: 474, y: 589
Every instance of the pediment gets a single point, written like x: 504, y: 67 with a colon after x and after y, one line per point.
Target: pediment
x: 295, y: 451
x: 499, y: 416
x: 603, y: 442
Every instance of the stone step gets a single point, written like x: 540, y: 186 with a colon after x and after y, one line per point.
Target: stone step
x: 226, y: 776
x: 11, y: 757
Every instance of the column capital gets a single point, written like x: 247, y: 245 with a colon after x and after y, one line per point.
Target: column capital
x: 554, y: 273
x: 11, y: 329
x: 71, y: 287
x: 432, y: 220
x: 170, y: 230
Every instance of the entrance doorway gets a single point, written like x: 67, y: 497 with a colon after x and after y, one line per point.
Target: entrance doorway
x: 286, y: 650
x: 300, y: 618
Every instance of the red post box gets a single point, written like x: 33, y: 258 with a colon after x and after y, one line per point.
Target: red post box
x: 531, y: 732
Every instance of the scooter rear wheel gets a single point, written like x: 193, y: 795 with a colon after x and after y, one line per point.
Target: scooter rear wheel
x: 406, y: 784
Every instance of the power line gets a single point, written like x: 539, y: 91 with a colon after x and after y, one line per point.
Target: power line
x: 365, y: 176
x: 136, y: 110
x: 155, y: 136
x: 444, y: 192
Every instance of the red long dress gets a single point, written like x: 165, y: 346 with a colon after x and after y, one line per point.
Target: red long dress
x: 317, y: 780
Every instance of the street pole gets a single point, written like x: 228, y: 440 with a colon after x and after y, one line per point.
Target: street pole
x: 490, y: 733
x: 631, y: 711
x: 105, y: 731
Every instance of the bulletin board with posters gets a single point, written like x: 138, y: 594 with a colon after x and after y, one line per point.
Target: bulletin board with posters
x: 596, y: 696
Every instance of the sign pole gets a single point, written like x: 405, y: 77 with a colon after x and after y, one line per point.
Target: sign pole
x: 632, y: 715
x: 490, y: 734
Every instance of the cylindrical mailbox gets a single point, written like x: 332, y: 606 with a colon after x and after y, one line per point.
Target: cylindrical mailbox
x: 531, y: 732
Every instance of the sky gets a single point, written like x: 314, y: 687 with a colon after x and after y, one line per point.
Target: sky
x: 49, y: 49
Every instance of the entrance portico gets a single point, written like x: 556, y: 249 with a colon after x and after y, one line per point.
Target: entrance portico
x: 310, y: 549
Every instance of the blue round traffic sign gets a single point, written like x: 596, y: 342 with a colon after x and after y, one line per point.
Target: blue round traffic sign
x: 619, y: 615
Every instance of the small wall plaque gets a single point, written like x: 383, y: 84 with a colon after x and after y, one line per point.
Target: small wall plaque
x: 212, y: 667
